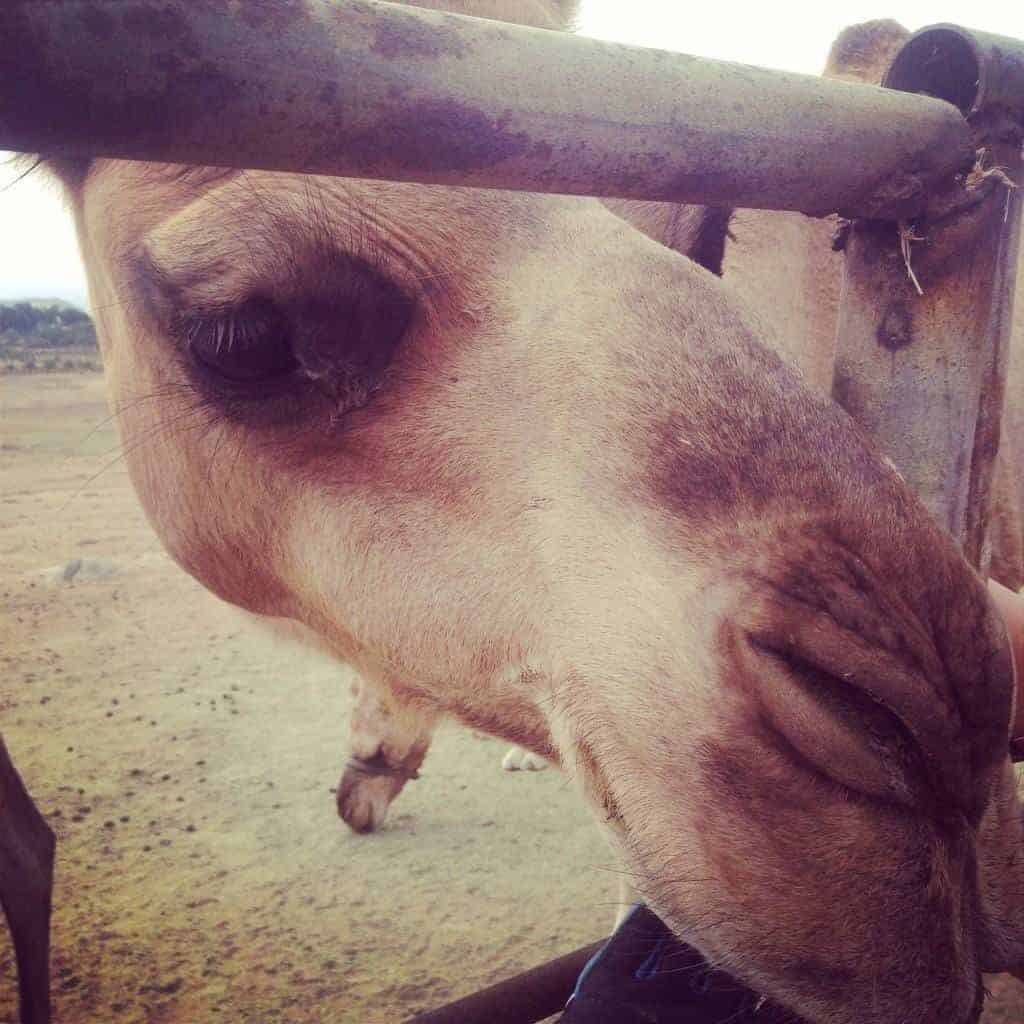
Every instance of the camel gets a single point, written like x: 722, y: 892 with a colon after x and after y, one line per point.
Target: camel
x: 524, y: 464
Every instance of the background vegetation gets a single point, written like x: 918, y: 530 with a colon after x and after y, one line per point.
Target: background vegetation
x: 46, y: 335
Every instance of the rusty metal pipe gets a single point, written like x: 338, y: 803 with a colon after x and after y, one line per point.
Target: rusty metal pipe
x: 365, y: 89
x: 975, y: 71
x: 927, y: 305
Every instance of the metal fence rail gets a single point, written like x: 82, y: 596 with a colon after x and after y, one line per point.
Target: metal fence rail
x: 365, y: 89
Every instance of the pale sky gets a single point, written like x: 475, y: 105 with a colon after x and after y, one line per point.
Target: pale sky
x: 39, y: 257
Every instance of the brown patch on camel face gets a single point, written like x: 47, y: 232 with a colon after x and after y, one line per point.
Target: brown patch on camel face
x: 842, y: 793
x: 834, y: 807
x: 774, y: 824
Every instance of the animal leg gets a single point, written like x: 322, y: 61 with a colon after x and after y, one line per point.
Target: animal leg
x: 389, y: 742
x: 27, y: 847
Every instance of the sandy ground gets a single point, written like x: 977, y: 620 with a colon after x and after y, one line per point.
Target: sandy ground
x: 187, y: 765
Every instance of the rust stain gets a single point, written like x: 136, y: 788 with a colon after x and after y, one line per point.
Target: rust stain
x: 97, y: 22
x: 896, y: 329
x: 431, y: 135
x: 158, y: 21
x: 401, y: 40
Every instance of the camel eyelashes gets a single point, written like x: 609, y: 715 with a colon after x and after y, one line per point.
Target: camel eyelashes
x: 247, y: 346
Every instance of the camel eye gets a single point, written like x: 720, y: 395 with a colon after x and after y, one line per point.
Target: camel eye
x: 248, y: 345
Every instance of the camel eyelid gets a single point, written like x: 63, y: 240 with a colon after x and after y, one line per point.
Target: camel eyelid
x: 240, y: 352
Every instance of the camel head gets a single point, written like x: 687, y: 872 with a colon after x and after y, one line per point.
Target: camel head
x: 520, y: 463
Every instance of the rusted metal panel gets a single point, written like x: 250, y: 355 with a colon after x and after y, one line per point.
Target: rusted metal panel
x: 927, y: 305
x: 368, y: 89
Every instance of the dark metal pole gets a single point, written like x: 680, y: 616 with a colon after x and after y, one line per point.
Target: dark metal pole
x: 926, y: 305
x: 27, y: 846
x: 366, y: 89
x: 524, y: 999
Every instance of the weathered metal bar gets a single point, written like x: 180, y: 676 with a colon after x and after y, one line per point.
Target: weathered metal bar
x: 366, y: 89
x: 532, y: 996
x: 926, y: 306
x: 975, y: 71
x: 27, y: 847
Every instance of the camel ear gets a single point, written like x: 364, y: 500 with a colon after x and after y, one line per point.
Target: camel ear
x: 863, y: 53
x: 68, y: 172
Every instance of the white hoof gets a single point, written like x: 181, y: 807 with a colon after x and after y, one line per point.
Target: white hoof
x: 519, y: 760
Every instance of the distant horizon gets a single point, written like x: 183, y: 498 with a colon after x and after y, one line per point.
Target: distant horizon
x: 76, y: 296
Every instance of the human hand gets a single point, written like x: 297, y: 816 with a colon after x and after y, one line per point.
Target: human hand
x: 1011, y: 607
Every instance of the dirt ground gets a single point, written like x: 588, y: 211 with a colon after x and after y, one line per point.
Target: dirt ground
x: 187, y: 765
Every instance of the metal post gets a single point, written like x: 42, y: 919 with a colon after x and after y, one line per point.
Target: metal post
x: 375, y: 90
x: 27, y: 847
x: 926, y: 305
